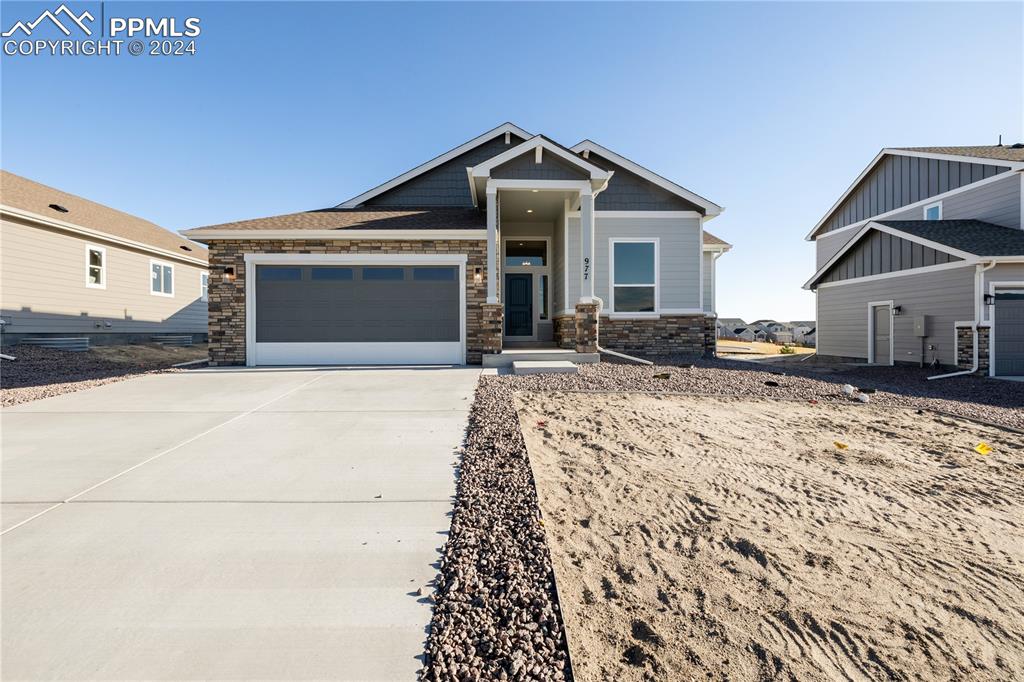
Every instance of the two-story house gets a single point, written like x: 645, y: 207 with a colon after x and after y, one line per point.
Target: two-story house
x: 921, y: 260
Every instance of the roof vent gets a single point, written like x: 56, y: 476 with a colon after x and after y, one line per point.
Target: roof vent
x: 58, y: 208
x: 185, y: 248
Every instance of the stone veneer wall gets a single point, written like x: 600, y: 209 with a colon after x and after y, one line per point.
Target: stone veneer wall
x: 965, y: 348
x: 670, y: 334
x: 586, y: 328
x: 227, y: 299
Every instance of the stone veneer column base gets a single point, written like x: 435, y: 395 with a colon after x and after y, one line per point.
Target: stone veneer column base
x: 565, y: 332
x: 586, y: 327
x: 965, y: 348
x: 666, y: 335
x: 492, y: 317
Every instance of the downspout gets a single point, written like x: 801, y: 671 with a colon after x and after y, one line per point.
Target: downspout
x: 979, y: 271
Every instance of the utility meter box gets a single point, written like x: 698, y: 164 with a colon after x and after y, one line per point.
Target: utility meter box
x: 921, y: 325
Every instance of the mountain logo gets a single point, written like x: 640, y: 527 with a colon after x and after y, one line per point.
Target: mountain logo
x: 77, y: 20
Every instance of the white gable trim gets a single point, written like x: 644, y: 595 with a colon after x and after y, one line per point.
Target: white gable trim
x: 1014, y: 165
x: 503, y: 129
x: 586, y: 146
x: 538, y: 143
x: 872, y: 225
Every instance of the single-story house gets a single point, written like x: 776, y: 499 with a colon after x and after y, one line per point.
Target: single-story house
x: 921, y: 260
x: 744, y: 334
x: 509, y: 239
x: 75, y: 268
x: 726, y: 325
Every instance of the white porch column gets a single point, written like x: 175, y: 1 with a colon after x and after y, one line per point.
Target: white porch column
x: 587, y: 244
x: 492, y: 243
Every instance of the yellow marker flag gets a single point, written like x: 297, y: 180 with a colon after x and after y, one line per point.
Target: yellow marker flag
x: 841, y: 446
x: 983, y: 448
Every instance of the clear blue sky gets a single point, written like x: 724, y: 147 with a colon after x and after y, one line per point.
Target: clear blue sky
x: 768, y: 109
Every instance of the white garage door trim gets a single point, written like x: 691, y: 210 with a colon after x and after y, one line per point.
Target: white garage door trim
x: 993, y: 288
x: 439, y: 353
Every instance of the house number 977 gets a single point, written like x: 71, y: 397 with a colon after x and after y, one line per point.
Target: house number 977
x: 586, y: 268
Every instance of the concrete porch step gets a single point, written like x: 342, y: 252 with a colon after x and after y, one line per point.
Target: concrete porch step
x: 507, y: 357
x: 544, y: 367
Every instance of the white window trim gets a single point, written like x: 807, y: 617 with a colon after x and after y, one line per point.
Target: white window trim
x: 934, y: 204
x: 163, y: 263
x: 612, y: 241
x: 871, y: 331
x: 103, y: 267
x: 204, y: 297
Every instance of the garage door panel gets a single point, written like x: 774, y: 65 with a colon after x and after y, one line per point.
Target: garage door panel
x: 1009, y: 334
x: 326, y: 314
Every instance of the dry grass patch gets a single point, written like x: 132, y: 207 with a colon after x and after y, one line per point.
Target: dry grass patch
x: 700, y: 537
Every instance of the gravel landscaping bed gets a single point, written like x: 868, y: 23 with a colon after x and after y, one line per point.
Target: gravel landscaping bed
x: 44, y: 372
x: 496, y: 615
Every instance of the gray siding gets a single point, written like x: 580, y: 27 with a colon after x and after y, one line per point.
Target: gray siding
x: 997, y: 202
x: 629, y: 192
x: 525, y: 167
x: 900, y: 180
x: 946, y: 296
x: 446, y: 185
x: 709, y: 283
x: 880, y: 252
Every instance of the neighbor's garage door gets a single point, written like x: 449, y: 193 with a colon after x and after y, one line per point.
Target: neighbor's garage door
x: 329, y: 314
x: 1009, y: 334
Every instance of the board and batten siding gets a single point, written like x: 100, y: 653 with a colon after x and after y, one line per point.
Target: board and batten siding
x: 997, y: 202
x: 879, y: 253
x: 679, y: 249
x: 44, y: 291
x: 709, y: 282
x: 945, y: 296
x: 899, y: 180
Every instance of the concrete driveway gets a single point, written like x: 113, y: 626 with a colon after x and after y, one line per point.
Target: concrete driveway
x: 242, y: 524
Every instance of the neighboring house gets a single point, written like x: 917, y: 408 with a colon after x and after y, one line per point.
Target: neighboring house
x: 72, y: 267
x: 922, y: 260
x: 743, y: 334
x: 807, y: 338
x: 727, y: 325
x: 507, y: 239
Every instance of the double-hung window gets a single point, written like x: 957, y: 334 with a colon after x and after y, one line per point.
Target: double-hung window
x: 95, y: 267
x: 204, y: 286
x: 161, y: 278
x: 634, y: 275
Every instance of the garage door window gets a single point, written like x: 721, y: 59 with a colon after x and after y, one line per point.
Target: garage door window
x: 279, y: 274
x: 434, y: 274
x: 383, y: 274
x: 331, y: 274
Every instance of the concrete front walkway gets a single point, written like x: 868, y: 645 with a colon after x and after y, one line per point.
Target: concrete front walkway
x: 228, y: 524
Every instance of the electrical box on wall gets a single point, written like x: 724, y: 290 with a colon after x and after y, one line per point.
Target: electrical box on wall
x: 921, y: 325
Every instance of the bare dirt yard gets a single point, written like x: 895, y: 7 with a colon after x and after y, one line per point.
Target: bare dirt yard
x: 44, y: 372
x: 748, y: 538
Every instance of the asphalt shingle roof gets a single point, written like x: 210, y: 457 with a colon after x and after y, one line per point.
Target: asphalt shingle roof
x: 1002, y: 153
x: 27, y: 195
x: 973, y: 236
x: 712, y: 240
x: 366, y: 218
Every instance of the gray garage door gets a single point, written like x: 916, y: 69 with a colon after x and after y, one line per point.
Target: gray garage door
x: 357, y: 314
x: 1009, y: 334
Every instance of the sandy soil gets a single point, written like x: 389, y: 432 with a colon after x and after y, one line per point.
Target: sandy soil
x: 719, y: 538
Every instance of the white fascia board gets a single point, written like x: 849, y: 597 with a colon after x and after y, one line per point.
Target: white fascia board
x: 340, y: 235
x: 483, y: 170
x: 1014, y: 165
x: 717, y: 248
x: 357, y: 258
x: 872, y: 225
x: 435, y: 162
x: 712, y: 209
x: 105, y: 236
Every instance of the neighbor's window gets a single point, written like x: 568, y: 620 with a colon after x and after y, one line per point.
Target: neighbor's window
x: 933, y: 211
x: 634, y: 279
x: 161, y: 279
x: 96, y: 267
x: 526, y: 252
x: 204, y: 286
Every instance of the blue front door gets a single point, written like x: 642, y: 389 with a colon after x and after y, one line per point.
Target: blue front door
x: 519, y: 304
